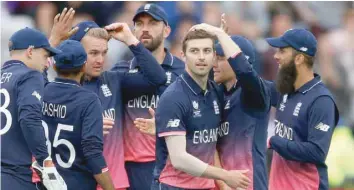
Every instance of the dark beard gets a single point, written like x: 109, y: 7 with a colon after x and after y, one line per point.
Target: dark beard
x: 286, y: 78
x: 155, y: 43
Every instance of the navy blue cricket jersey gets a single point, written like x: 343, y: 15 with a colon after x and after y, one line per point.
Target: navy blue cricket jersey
x: 140, y: 147
x: 110, y: 87
x: 73, y: 117
x: 185, y: 109
x: 243, y: 133
x: 22, y: 134
x: 304, y: 125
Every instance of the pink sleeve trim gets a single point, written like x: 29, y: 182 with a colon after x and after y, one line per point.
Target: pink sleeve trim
x: 171, y: 133
x: 235, y: 54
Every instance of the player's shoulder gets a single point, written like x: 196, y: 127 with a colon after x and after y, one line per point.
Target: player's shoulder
x: 122, y: 66
x: 87, y: 94
x: 320, y: 89
x: 174, y: 92
x: 177, y: 63
x: 30, y: 74
x: 175, y: 87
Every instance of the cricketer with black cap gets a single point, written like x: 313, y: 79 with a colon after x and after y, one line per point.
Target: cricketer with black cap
x: 72, y: 118
x: 21, y: 113
x: 306, y: 116
x: 151, y: 28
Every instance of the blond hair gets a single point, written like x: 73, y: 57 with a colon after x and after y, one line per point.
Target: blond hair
x: 98, y: 33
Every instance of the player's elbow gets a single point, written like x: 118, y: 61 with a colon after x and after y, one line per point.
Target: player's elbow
x: 319, y: 156
x: 159, y: 80
x: 177, y: 161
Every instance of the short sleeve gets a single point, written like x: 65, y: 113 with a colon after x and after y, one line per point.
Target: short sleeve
x: 171, y: 112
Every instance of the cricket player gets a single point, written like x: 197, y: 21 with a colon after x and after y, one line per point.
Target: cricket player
x: 305, y: 119
x: 187, y: 121
x: 22, y: 134
x: 151, y: 28
x: 72, y: 118
x: 243, y: 133
x: 110, y: 85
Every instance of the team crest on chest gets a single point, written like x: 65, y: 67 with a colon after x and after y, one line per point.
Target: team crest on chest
x: 297, y: 109
x: 196, y: 110
x: 169, y: 77
x: 106, y: 91
x: 216, y: 107
x: 282, y: 104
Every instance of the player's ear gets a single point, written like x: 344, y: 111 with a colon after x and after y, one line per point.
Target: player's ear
x: 166, y: 31
x: 183, y: 55
x: 299, y: 59
x: 29, y: 52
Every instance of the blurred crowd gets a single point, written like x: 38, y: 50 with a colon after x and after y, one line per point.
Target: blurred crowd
x: 331, y: 22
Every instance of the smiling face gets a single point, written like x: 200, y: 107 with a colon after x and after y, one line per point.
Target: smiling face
x: 150, y: 32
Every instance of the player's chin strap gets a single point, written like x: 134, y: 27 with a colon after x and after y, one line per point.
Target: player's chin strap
x: 49, y: 175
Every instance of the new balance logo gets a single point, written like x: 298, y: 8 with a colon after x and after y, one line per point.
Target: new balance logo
x: 36, y: 94
x: 323, y: 127
x: 297, y: 109
x: 173, y: 123
x: 106, y: 91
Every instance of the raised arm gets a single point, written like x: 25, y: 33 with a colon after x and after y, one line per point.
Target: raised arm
x: 150, y: 73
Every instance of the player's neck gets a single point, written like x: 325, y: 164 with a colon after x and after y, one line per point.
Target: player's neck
x: 74, y: 78
x: 20, y: 58
x: 159, y: 54
x: 201, y: 81
x: 230, y: 83
x: 303, y: 77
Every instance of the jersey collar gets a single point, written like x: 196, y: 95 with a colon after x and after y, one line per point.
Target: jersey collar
x: 168, y: 60
x: 309, y: 85
x: 13, y: 62
x: 193, y: 86
x: 60, y: 80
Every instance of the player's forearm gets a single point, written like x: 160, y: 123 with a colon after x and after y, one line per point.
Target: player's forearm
x: 54, y: 41
x: 93, y: 155
x: 187, y: 163
x: 105, y: 181
x: 251, y: 84
x: 151, y: 69
x: 217, y: 163
x: 33, y: 133
x: 297, y: 151
x: 229, y: 47
x: 215, y: 173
